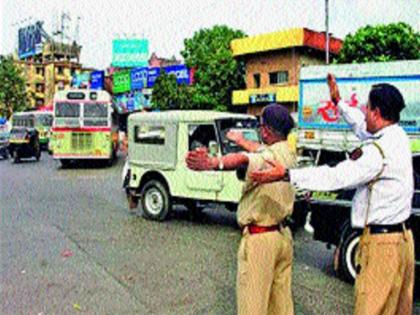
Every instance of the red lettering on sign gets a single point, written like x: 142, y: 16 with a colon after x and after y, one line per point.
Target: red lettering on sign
x: 353, y: 102
x: 329, y: 112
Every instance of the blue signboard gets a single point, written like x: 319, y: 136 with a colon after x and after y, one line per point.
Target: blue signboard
x: 30, y: 40
x: 97, y: 80
x: 131, y: 101
x: 130, y: 52
x: 181, y: 72
x: 139, y: 78
x: 152, y: 75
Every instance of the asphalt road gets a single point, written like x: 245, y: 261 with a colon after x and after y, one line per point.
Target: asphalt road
x: 69, y: 245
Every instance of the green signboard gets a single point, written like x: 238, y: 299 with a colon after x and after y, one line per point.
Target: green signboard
x: 121, y: 81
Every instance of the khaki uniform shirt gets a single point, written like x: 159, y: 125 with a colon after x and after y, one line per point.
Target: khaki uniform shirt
x: 267, y: 204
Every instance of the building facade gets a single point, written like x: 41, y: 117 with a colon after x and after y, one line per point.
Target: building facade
x: 50, y: 70
x: 272, y: 65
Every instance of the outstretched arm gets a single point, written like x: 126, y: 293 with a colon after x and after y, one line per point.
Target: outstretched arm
x: 347, y: 174
x: 247, y: 145
x: 199, y: 160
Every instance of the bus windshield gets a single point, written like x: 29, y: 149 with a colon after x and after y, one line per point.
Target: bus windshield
x: 66, y: 109
x: 95, y: 110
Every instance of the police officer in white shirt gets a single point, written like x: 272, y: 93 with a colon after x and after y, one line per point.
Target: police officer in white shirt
x: 381, y: 170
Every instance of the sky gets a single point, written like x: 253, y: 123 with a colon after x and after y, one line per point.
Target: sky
x: 166, y: 23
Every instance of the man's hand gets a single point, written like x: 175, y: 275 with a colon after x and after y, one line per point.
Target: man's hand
x: 272, y: 174
x: 332, y: 85
x: 200, y: 160
x: 234, y: 136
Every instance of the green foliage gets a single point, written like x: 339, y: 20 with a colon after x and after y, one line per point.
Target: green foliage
x: 13, y: 95
x: 217, y: 72
x: 168, y: 95
x: 396, y: 41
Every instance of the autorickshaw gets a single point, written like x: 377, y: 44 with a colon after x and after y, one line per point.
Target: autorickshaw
x: 24, y: 143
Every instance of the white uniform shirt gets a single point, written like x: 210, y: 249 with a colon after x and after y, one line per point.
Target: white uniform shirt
x: 391, y: 194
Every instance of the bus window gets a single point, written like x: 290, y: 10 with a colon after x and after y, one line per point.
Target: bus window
x: 67, y: 109
x: 95, y: 110
x: 95, y: 114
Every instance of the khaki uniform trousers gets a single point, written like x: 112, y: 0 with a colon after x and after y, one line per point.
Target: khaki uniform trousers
x: 265, y: 273
x: 385, y: 282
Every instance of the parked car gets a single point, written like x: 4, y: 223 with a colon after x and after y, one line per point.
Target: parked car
x: 157, y: 175
x: 24, y: 143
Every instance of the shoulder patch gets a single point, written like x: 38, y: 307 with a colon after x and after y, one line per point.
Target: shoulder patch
x: 356, y: 154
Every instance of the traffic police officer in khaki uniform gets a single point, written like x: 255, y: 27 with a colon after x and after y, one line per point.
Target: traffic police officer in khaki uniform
x: 381, y: 170
x: 266, y: 251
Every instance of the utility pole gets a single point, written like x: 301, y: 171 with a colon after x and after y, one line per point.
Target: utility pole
x: 327, y: 35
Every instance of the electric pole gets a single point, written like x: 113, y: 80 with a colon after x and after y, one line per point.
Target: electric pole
x: 327, y: 35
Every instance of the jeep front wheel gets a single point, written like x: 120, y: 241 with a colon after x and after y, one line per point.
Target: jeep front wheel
x: 155, y: 200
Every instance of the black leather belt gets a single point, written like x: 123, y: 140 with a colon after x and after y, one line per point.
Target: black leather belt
x: 393, y: 228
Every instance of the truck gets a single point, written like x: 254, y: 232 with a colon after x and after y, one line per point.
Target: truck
x: 325, y: 138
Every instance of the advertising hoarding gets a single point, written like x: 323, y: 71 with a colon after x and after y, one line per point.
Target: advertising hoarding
x: 80, y: 80
x: 30, y: 40
x: 130, y: 52
x: 152, y: 75
x: 121, y: 81
x: 97, y: 80
x: 139, y: 78
x: 132, y: 101
x: 181, y: 73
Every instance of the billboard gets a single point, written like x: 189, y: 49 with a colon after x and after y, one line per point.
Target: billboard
x: 30, y: 40
x: 181, y: 72
x: 139, y: 78
x: 152, y: 75
x: 97, y: 80
x: 131, y: 101
x: 121, y: 81
x: 130, y: 52
x: 80, y: 80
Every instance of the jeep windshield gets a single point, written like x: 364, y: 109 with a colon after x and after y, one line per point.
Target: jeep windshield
x: 248, y: 127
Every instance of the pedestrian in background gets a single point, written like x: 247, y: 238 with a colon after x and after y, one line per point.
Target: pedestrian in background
x: 266, y: 250
x: 381, y: 170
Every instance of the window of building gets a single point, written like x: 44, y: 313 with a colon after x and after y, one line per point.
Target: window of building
x: 60, y: 70
x: 279, y: 77
x: 257, y: 80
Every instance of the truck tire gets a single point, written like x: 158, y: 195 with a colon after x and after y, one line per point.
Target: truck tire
x: 347, y: 255
x: 155, y: 200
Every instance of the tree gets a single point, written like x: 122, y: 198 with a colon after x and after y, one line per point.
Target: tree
x: 396, y: 41
x: 217, y: 72
x: 167, y: 94
x: 13, y: 95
